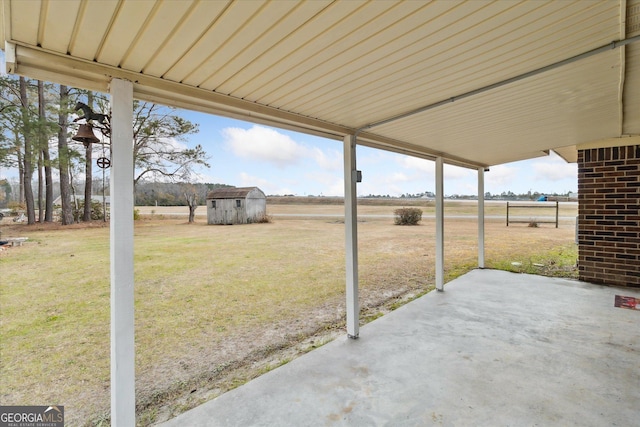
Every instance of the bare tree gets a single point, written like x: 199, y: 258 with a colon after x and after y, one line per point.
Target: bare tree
x: 44, y: 158
x: 192, y: 195
x: 64, y: 157
x: 28, y: 144
x: 192, y: 202
x: 88, y: 171
x: 28, y: 152
x: 12, y: 127
x: 157, y: 133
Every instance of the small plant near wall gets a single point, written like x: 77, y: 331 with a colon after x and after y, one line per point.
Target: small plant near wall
x: 408, y: 216
x: 533, y: 223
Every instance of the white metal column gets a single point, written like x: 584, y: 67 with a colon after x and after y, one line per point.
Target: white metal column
x: 439, y: 224
x: 351, y: 236
x: 481, y: 217
x: 123, y: 401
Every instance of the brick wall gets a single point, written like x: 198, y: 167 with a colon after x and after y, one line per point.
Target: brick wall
x: 608, y: 215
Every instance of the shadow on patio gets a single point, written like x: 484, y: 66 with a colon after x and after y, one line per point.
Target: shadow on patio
x: 495, y: 348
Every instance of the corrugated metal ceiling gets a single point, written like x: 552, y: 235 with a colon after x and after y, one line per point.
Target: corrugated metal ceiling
x: 331, y: 67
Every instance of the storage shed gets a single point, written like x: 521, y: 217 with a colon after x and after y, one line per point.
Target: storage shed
x: 236, y: 205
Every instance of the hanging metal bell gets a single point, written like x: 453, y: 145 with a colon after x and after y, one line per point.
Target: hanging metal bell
x: 85, y: 135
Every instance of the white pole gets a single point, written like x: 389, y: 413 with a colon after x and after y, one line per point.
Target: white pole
x: 123, y: 401
x: 481, y: 217
x: 351, y: 236
x: 439, y: 224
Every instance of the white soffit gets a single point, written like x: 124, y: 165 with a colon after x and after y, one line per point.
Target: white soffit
x: 331, y: 67
x: 631, y: 93
x: 573, y: 103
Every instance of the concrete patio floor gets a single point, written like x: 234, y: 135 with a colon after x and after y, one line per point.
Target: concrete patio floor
x: 494, y: 349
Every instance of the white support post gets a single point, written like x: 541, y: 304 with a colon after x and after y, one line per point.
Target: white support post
x: 351, y: 236
x: 481, y: 217
x: 439, y: 224
x: 123, y: 399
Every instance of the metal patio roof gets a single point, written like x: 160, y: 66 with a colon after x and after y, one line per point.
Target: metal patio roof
x: 338, y: 67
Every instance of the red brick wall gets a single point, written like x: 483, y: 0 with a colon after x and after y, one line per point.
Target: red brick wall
x: 608, y: 215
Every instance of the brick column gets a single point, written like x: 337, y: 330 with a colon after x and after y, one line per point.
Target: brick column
x: 608, y: 215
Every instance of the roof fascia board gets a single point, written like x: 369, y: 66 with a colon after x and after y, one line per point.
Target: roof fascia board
x: 526, y: 156
x: 47, y: 66
x: 569, y: 154
x: 610, y: 142
x: 388, y: 144
x: 42, y: 65
x: 197, y: 99
x: 94, y: 76
x: 9, y: 57
x: 149, y: 95
x: 215, y: 103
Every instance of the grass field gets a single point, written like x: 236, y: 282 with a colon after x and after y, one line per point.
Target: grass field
x: 218, y: 305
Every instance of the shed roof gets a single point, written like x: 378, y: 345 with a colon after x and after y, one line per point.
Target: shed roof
x: 479, y: 83
x: 231, y: 193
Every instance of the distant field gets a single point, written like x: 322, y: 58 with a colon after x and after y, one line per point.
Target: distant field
x: 217, y: 305
x: 385, y: 207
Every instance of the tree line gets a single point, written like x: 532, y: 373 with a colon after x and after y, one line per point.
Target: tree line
x: 37, y: 123
x: 172, y: 193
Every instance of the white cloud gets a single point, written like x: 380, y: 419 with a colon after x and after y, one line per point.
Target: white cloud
x: 174, y: 143
x: 417, y: 164
x: 263, y: 144
x: 164, y: 145
x: 398, y: 177
x: 429, y: 167
x: 392, y: 183
x: 456, y: 172
x: 200, y: 178
x: 501, y: 175
x: 555, y: 170
x: 247, y: 180
x: 267, y: 185
x: 323, y: 178
x: 331, y: 160
x: 336, y: 188
x: 322, y: 183
x: 269, y: 145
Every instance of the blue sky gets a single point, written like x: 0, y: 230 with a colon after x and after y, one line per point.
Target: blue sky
x: 284, y: 162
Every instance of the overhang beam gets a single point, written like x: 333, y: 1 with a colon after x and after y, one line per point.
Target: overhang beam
x: 47, y: 66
